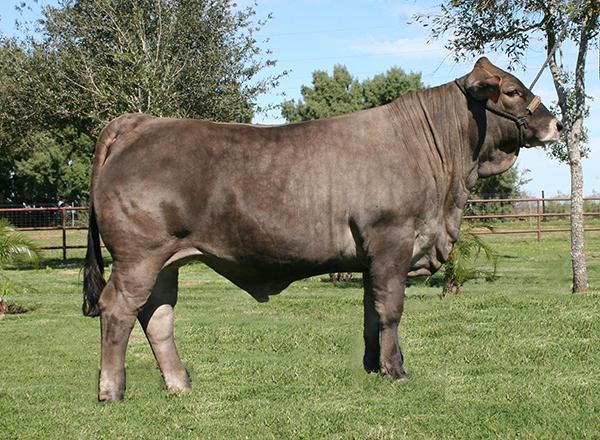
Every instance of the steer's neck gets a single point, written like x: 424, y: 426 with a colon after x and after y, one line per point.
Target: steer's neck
x: 453, y: 139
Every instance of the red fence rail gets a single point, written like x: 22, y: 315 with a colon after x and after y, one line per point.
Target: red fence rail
x: 67, y: 218
x: 540, y: 214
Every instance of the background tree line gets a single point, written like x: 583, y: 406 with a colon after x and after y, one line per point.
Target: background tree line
x: 88, y: 61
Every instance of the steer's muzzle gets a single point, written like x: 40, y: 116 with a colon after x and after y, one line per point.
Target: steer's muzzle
x: 552, y: 133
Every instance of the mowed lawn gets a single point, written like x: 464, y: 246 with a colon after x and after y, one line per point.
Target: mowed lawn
x: 518, y: 357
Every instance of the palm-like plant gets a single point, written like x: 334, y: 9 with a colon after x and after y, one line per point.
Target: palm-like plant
x: 460, y: 266
x: 14, y: 249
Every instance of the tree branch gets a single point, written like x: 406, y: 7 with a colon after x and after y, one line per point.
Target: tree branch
x: 556, y: 71
x: 589, y: 20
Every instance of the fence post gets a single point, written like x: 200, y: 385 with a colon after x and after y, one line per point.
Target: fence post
x: 539, y: 220
x: 63, y: 222
x: 543, y: 205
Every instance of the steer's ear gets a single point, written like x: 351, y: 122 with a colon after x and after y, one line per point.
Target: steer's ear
x: 483, y: 85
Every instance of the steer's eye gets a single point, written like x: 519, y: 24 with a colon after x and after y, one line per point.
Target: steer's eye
x: 512, y: 93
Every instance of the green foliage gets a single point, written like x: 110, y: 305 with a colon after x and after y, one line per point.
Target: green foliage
x: 501, y: 186
x: 560, y: 150
x: 328, y: 96
x: 57, y: 168
x: 386, y: 87
x: 6, y: 287
x: 341, y: 93
x: 461, y: 264
x: 90, y: 61
x: 503, y: 25
x: 168, y: 58
x: 15, y: 248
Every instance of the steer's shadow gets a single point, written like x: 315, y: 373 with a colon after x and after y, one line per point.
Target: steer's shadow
x: 53, y: 263
x: 356, y: 282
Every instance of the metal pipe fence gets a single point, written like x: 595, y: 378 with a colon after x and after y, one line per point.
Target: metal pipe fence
x: 506, y: 213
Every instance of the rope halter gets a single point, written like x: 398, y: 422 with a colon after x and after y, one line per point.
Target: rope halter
x: 521, y: 120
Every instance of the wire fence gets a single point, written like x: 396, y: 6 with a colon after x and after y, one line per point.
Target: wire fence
x: 64, y: 219
x: 484, y: 216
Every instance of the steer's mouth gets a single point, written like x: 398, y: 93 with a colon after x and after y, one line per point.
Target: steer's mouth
x: 550, y: 134
x: 531, y: 143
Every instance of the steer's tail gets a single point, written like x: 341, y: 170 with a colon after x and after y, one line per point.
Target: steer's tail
x: 93, y: 270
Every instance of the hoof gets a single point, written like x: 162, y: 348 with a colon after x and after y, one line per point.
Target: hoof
x: 371, y: 365
x: 179, y: 390
x: 178, y: 383
x: 104, y: 396
x: 110, y: 390
x: 395, y: 372
x: 399, y: 376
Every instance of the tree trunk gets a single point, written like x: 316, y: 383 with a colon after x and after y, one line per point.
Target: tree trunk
x: 580, y: 276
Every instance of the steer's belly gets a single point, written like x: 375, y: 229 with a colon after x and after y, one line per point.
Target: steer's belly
x: 260, y: 275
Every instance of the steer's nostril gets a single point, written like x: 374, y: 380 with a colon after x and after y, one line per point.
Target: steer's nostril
x: 559, y: 126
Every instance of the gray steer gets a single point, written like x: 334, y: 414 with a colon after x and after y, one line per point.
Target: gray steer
x: 379, y: 191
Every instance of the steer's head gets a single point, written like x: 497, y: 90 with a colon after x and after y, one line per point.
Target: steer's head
x: 502, y: 138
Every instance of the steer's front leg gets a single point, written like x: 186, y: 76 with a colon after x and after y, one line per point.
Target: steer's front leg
x: 371, y: 327
x: 384, y: 284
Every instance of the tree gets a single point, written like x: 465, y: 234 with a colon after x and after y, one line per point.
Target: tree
x: 56, y: 169
x: 92, y: 60
x: 15, y: 97
x: 501, y: 186
x: 341, y: 93
x: 510, y: 27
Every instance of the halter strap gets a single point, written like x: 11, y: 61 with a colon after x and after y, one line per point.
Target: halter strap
x: 521, y: 121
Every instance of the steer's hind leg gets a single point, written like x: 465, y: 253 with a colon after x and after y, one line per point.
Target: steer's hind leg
x: 156, y: 319
x: 124, y: 295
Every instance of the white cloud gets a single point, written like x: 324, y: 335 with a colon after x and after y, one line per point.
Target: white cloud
x: 403, y: 8
x: 400, y: 47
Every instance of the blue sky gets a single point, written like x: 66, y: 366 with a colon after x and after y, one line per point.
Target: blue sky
x: 369, y: 37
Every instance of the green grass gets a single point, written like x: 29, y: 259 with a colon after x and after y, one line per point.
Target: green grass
x: 519, y: 357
